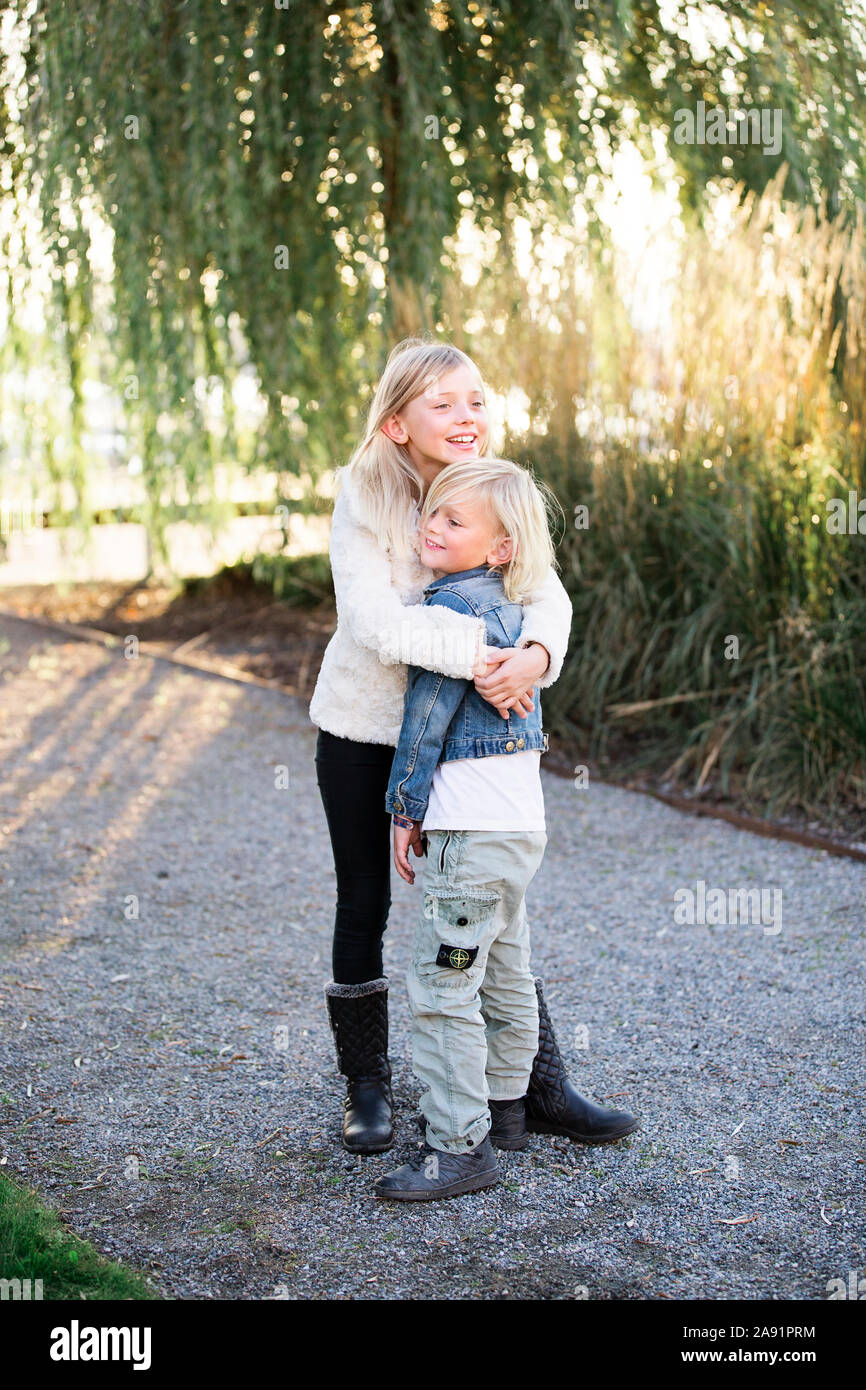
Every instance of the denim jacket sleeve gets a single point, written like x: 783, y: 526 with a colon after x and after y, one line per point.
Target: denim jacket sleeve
x: 430, y: 704
x: 547, y: 619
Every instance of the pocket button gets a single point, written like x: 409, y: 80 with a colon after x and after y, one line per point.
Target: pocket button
x: 462, y: 921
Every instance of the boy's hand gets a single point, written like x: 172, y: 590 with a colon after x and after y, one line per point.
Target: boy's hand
x: 403, y: 838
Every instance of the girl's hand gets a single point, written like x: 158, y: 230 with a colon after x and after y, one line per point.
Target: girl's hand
x: 403, y: 838
x: 511, y: 675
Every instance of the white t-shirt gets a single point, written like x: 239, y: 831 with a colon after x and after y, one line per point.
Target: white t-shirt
x: 499, y: 792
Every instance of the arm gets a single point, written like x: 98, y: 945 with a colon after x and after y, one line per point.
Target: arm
x: 407, y: 835
x: 539, y: 654
x: 436, y: 638
x: 547, y: 619
x: 430, y: 704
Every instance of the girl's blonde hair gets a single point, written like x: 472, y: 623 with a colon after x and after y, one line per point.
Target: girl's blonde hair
x: 388, y: 486
x: 523, y: 507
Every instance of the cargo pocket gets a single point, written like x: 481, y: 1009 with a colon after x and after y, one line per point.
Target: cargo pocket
x: 453, y: 944
x: 444, y: 851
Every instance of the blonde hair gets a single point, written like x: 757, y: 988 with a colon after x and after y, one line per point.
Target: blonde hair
x: 523, y: 507
x: 388, y: 485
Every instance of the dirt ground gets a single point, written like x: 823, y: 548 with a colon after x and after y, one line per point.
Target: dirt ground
x: 232, y: 624
x: 229, y: 620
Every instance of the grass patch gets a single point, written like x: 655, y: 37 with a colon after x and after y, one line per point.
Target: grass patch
x: 34, y: 1244
x: 300, y: 580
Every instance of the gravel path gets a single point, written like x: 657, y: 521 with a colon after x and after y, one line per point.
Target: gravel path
x: 168, y: 1080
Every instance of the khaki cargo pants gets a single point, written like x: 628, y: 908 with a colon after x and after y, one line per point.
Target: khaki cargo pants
x: 471, y: 993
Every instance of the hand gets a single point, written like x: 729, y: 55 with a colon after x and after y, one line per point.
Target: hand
x: 511, y: 675
x: 403, y: 838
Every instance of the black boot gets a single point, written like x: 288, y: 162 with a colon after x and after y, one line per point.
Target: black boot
x: 508, y: 1124
x: 553, y: 1106
x: 359, y: 1021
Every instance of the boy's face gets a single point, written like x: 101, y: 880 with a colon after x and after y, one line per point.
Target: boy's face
x: 462, y: 534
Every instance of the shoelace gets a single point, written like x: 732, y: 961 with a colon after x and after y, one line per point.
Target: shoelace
x: 419, y: 1158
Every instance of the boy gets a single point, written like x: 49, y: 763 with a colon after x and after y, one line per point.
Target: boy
x: 468, y: 780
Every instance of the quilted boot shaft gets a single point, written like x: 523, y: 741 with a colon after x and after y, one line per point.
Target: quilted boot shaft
x: 545, y: 1096
x: 359, y: 1021
x: 358, y: 1016
x: 553, y: 1106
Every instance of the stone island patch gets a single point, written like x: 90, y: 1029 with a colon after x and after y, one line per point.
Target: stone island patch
x: 456, y: 957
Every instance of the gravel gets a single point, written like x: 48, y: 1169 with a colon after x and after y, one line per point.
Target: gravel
x: 168, y: 1081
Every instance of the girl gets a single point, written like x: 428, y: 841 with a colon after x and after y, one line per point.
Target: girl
x: 427, y: 412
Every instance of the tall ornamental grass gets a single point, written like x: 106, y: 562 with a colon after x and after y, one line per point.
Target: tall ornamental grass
x: 719, y: 638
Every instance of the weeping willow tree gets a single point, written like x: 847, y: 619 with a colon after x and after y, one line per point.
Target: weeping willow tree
x: 283, y: 183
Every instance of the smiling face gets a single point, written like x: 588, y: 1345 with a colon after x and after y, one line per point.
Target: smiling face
x: 462, y: 534
x: 448, y: 421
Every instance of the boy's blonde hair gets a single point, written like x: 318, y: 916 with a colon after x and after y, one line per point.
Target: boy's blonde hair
x: 523, y: 509
x: 389, y: 488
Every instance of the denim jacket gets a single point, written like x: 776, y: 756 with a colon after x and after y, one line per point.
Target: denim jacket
x: 446, y: 718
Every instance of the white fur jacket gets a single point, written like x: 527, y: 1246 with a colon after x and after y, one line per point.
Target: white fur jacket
x: 383, y: 625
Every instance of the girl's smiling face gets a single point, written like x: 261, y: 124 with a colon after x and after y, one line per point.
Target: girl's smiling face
x: 462, y: 534
x: 446, y: 422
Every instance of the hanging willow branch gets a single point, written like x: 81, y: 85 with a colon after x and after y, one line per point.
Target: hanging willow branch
x: 283, y: 180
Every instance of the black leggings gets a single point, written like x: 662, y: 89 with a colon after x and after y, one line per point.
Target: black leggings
x: 353, y: 779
